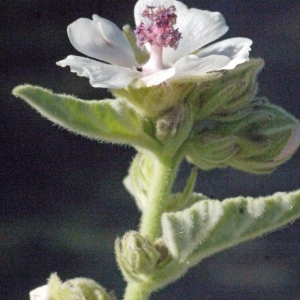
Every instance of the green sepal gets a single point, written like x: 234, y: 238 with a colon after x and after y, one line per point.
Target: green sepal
x: 155, y: 101
x: 210, y: 226
x: 106, y: 120
x: 264, y: 138
x: 173, y: 128
x: 228, y: 94
x: 56, y: 291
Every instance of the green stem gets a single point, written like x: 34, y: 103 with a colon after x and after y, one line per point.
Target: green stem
x: 163, y: 177
x: 136, y: 291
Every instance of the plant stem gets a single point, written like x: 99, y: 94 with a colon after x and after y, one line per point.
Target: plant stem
x: 163, y: 176
x: 164, y: 173
x: 136, y: 291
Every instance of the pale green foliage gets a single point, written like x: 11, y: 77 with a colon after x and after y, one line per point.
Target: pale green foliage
x: 213, y: 120
x: 210, y: 226
x: 106, y: 120
x: 139, y: 178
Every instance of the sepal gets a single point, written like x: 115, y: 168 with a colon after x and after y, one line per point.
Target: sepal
x: 229, y: 93
x: 153, y: 102
x: 173, y: 128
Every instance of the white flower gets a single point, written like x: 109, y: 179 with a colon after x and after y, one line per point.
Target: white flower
x: 116, y: 66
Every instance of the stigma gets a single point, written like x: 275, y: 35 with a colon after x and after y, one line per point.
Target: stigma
x: 159, y: 32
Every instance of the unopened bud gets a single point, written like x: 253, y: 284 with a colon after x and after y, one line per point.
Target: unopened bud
x: 263, y: 139
x: 77, y: 288
x: 136, y: 256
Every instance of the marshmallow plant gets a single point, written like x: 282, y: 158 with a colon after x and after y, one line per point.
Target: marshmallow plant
x: 177, y: 96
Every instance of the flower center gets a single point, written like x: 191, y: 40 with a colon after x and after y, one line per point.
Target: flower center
x: 159, y: 32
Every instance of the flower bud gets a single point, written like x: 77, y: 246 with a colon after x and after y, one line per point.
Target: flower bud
x: 230, y: 93
x: 77, y: 288
x: 167, y: 125
x: 136, y: 256
x: 265, y: 137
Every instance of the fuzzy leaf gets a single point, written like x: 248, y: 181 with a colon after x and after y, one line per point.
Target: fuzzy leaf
x: 106, y: 120
x: 138, y: 180
x: 210, y: 226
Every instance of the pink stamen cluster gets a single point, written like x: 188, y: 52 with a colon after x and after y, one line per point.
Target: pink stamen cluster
x: 160, y: 31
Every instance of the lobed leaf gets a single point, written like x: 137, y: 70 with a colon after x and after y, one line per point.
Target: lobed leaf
x: 210, y: 226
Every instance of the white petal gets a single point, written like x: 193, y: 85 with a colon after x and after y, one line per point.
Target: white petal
x: 188, y: 66
x: 198, y: 28
x: 40, y: 293
x: 236, y: 49
x: 191, y: 65
x: 101, y: 39
x: 159, y: 77
x: 100, y: 74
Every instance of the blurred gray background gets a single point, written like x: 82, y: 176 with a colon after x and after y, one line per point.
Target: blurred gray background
x: 62, y: 200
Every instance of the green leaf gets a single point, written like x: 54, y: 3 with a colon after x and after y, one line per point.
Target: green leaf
x: 138, y: 180
x: 210, y: 226
x: 106, y: 120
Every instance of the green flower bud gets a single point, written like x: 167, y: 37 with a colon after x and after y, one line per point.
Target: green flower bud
x: 167, y: 125
x: 265, y: 137
x: 136, y: 256
x: 74, y: 289
x: 230, y: 93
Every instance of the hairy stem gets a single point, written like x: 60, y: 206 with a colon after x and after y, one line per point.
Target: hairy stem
x: 136, y: 291
x: 163, y: 177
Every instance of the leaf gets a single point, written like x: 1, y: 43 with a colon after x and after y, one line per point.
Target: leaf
x: 210, y: 226
x: 106, y: 120
x: 138, y: 180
